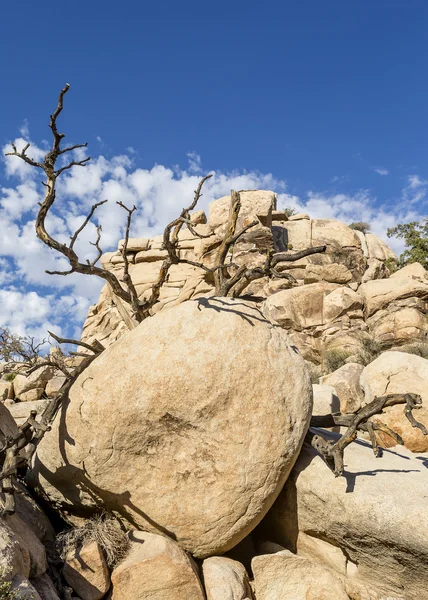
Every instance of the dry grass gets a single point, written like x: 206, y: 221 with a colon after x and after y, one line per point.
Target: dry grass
x: 369, y: 349
x: 334, y: 358
x: 418, y: 348
x: 103, y: 529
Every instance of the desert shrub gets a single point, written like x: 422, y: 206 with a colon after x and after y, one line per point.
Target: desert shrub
x: 334, y: 358
x: 104, y: 529
x: 418, y: 348
x: 369, y: 349
x: 9, y: 376
x: 289, y: 212
x: 360, y: 226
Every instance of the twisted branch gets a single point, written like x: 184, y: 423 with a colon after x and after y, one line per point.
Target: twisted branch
x: 333, y: 452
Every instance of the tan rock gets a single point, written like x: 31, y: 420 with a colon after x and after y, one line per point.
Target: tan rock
x: 376, y: 270
x: 198, y: 217
x: 377, y: 248
x: 334, y: 273
x: 412, y: 271
x: 20, y: 411
x: 399, y: 373
x: 225, y: 579
x: 346, y: 382
x: 366, y: 514
x: 32, y: 395
x: 299, y: 307
x: 54, y: 385
x: 21, y: 553
x: 285, y: 575
x: 379, y: 293
x: 340, y: 301
x: 14, y: 555
x: 363, y: 242
x: 135, y: 244
x: 178, y: 434
x: 333, y: 233
x: 37, y: 380
x: 299, y: 235
x: 151, y: 256
x: 298, y: 217
x: 8, y: 427
x: 32, y: 515
x: 398, y: 325
x: 322, y: 552
x: 254, y: 204
x: 6, y: 390
x: 158, y: 569
x: 326, y: 401
x: 85, y: 570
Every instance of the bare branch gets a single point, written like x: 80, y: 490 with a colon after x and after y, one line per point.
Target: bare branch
x: 96, y: 347
x: 86, y: 221
x: 127, y: 279
x: 75, y: 147
x: 332, y: 452
x: 79, y: 163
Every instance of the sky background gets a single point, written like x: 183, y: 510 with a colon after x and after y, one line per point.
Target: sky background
x: 323, y: 102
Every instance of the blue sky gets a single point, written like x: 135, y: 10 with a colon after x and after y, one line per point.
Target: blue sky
x: 324, y: 102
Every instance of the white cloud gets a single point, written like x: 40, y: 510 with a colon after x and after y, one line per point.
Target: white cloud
x: 194, y: 162
x: 24, y: 130
x: 381, y: 171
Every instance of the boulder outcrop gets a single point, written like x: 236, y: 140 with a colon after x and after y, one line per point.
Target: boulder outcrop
x: 208, y: 403
x: 367, y: 514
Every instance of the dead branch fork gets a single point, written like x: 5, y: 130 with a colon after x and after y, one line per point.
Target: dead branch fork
x: 333, y: 452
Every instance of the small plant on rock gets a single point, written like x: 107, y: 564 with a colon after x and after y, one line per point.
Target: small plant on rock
x: 370, y: 348
x: 360, y: 226
x: 334, y: 358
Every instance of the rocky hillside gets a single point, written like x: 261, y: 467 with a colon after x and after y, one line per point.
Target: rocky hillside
x: 183, y: 463
x: 337, y: 298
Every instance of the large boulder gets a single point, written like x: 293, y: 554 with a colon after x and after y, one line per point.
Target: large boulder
x: 399, y: 373
x: 367, y: 514
x: 189, y: 425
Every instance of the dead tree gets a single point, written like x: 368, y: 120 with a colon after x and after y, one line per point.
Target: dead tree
x: 230, y: 279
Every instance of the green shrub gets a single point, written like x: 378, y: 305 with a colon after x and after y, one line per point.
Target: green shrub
x: 289, y: 212
x: 9, y: 376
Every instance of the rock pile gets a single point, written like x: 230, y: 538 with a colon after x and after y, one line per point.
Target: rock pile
x: 189, y: 429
